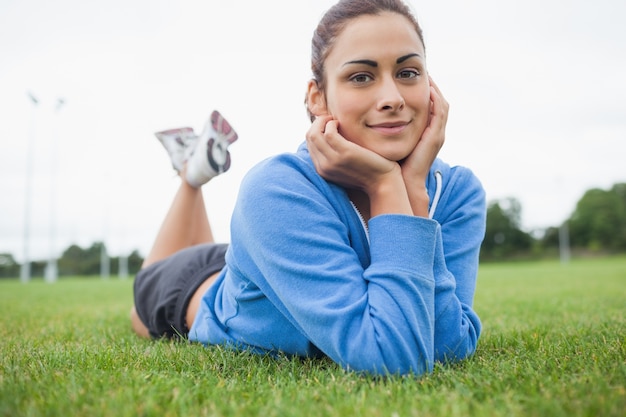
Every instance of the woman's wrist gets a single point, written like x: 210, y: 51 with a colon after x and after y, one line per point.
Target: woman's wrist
x: 418, y: 195
x: 389, y: 195
x: 419, y: 202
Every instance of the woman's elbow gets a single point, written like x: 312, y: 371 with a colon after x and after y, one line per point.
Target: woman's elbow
x: 451, y: 350
x: 408, y: 363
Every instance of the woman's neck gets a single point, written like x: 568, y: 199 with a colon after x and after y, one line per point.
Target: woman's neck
x: 361, y: 201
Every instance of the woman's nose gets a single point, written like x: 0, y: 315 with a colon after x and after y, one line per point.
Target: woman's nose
x: 390, y: 96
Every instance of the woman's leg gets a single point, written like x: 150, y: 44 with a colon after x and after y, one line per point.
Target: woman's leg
x: 194, y: 303
x: 186, y: 222
x: 137, y: 324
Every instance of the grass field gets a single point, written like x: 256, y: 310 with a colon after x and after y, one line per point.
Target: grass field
x: 553, y: 344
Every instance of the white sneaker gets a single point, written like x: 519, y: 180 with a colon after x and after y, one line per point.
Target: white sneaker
x: 179, y: 144
x: 210, y: 156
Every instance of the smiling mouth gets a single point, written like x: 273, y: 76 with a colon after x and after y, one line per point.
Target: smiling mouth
x: 389, y: 128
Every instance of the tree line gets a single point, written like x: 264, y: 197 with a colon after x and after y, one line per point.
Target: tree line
x: 75, y: 261
x: 597, y: 226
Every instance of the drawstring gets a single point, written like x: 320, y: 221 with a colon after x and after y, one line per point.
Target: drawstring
x: 433, y: 206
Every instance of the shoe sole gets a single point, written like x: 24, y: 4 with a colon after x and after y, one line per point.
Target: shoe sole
x: 179, y: 133
x: 220, y: 148
x: 180, y: 136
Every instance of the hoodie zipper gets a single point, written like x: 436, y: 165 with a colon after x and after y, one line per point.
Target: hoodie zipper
x: 431, y: 211
x: 363, y: 223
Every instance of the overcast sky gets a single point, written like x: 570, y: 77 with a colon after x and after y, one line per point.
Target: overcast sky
x: 537, y: 92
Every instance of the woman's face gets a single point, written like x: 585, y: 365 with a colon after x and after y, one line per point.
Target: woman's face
x: 377, y: 85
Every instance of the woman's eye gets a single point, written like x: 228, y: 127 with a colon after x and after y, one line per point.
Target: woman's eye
x: 407, y: 74
x: 360, y: 78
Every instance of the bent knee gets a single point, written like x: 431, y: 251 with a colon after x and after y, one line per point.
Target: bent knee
x: 138, y: 326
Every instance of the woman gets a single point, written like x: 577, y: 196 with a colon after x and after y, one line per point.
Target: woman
x: 361, y: 246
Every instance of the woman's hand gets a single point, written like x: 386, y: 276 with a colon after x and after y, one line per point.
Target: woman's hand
x: 338, y: 160
x: 343, y: 162
x: 416, y: 166
x: 418, y: 163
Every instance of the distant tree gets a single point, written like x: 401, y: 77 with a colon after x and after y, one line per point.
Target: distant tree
x: 93, y: 258
x: 599, y: 221
x: 503, y: 236
x: 74, y: 261
x: 78, y: 261
x: 70, y: 261
x: 550, y: 238
x: 134, y: 262
x: 9, y: 268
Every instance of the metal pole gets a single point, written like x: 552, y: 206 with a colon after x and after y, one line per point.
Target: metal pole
x: 105, y: 263
x: 122, y: 271
x: 52, y: 272
x: 25, y: 268
x: 105, y: 260
x: 564, y: 247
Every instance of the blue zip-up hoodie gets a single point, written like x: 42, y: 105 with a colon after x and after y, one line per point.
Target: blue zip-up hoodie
x: 304, y: 276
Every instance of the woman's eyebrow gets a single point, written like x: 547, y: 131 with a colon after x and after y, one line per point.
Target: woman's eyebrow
x: 374, y: 64
x: 407, y: 56
x: 368, y: 62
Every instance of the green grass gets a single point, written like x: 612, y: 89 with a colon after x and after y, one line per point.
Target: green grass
x: 553, y: 344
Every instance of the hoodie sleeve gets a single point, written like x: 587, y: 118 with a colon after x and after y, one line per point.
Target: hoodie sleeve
x: 462, y: 216
x: 290, y: 240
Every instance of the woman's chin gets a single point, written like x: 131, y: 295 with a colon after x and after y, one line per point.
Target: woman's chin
x: 394, y: 155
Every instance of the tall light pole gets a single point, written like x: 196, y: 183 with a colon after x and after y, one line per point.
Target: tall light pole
x: 564, y: 247
x: 51, y: 273
x: 25, y: 268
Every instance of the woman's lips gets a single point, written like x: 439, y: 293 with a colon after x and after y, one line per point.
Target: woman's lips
x: 389, y: 128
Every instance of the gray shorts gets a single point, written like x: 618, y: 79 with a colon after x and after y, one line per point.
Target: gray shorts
x: 162, y: 290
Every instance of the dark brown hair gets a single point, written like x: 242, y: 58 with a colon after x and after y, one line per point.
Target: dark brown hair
x: 336, y: 19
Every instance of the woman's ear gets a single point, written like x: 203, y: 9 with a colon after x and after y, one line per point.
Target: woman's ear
x: 315, y: 100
